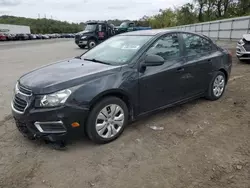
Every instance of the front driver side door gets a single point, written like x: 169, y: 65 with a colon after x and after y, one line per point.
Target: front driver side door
x: 161, y: 85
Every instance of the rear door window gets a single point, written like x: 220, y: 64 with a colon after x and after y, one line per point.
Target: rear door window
x: 195, y: 44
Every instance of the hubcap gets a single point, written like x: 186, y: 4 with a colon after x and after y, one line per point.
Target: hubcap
x: 92, y: 44
x: 109, y: 121
x: 218, y: 86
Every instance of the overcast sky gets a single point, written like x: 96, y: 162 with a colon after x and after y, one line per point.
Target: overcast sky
x: 83, y: 10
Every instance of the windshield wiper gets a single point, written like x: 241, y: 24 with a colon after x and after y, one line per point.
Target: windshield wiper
x: 97, y: 61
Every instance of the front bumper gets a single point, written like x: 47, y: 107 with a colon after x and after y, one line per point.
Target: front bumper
x: 242, y: 53
x: 81, y: 42
x: 52, y: 124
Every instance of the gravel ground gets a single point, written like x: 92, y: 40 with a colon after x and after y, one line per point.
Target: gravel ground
x: 199, y: 144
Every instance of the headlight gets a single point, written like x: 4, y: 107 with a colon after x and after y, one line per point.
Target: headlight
x: 55, y: 99
x: 241, y: 42
x: 84, y: 37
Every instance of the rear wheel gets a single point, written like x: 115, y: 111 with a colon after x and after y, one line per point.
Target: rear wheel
x: 216, y: 86
x: 107, y: 120
x: 91, y: 44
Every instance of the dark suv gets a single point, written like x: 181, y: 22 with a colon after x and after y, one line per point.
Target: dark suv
x: 123, y: 78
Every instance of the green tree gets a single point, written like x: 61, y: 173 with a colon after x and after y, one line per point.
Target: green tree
x: 42, y: 25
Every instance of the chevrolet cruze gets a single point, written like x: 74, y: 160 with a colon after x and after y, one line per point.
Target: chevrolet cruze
x: 128, y: 76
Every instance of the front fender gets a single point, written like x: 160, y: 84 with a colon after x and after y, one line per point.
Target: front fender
x: 94, y: 88
x: 121, y: 83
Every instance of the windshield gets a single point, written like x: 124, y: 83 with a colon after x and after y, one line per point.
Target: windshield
x: 90, y: 27
x: 124, y: 24
x: 117, y: 50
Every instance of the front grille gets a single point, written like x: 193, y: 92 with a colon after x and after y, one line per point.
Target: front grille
x: 19, y: 104
x: 77, y: 37
x: 24, y: 90
x: 247, y: 47
x: 246, y: 55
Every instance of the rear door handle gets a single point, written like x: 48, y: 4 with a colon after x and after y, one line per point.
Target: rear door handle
x: 209, y: 60
x: 180, y: 69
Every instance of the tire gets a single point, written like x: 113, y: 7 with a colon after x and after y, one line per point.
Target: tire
x: 213, y: 93
x: 82, y: 46
x: 108, y: 126
x: 91, y: 44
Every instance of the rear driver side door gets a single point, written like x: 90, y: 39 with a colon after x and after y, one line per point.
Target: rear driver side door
x: 199, y: 55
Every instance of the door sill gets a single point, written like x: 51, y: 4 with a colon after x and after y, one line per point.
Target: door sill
x: 171, y: 105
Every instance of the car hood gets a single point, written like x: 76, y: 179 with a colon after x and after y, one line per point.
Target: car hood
x: 64, y: 74
x: 246, y: 37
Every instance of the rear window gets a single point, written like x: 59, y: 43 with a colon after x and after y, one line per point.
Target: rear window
x: 196, y: 45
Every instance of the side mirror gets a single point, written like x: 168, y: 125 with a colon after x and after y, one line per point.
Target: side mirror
x: 154, y: 60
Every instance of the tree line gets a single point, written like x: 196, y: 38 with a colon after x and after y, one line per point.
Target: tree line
x: 198, y: 11
x: 189, y: 13
x: 43, y: 25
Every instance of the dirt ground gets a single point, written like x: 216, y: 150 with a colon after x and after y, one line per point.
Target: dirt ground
x: 201, y: 144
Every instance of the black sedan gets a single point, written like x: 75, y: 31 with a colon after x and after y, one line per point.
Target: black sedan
x: 125, y: 77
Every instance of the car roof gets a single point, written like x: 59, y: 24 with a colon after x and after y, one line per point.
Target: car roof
x: 151, y: 32
x: 155, y: 32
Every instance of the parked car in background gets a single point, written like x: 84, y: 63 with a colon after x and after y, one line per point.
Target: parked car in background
x: 10, y: 36
x: 63, y: 35
x: 3, y: 37
x: 32, y: 36
x: 67, y: 35
x: 58, y: 35
x: 45, y: 37
x: 243, y: 48
x: 53, y: 36
x: 125, y: 77
x: 22, y: 37
x: 38, y: 36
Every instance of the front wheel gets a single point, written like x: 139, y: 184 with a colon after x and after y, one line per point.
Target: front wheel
x: 107, y: 120
x: 216, y: 86
x: 91, y: 44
